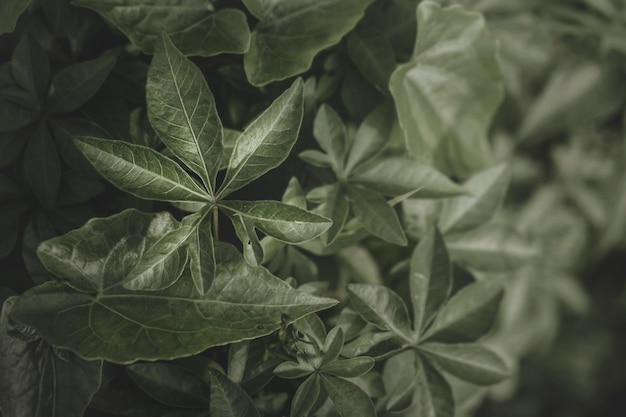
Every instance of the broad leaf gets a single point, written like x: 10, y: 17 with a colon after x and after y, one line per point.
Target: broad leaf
x: 448, y: 93
x: 433, y: 395
x: 182, y: 111
x: 430, y: 278
x: 492, y: 247
x: 284, y: 222
x: 330, y: 133
x: 42, y: 166
x: 10, y: 11
x: 192, y: 25
x: 306, y: 396
x: 396, y: 176
x: 171, y: 384
x: 349, y: 400
x: 382, y: 307
x: 267, y: 141
x: 229, y: 399
x: 74, y: 85
x: 469, y: 362
x: 371, y: 136
x: 89, y: 311
x: 348, y: 368
x: 336, y: 208
x: 140, y: 171
x: 372, y: 55
x: 376, y: 215
x: 290, y: 34
x: 487, y: 190
x: 36, y: 382
x: 468, y: 315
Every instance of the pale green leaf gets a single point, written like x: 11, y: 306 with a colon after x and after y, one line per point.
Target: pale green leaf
x: 245, y: 230
x: 292, y: 370
x: 229, y: 399
x: 306, y: 396
x: 349, y: 400
x: 374, y: 344
x: 396, y: 176
x: 294, y: 195
x: 399, y: 376
x: 348, y: 368
x: 492, y: 247
x: 468, y: 315
x: 192, y: 25
x: 201, y: 249
x: 376, y: 215
x: 371, y: 53
x: 430, y: 278
x: 10, y: 11
x: 316, y: 158
x: 284, y: 222
x: 447, y: 95
x: 469, y: 362
x: 371, y: 136
x: 330, y: 133
x: 267, y: 141
x: 487, y: 190
x: 336, y: 208
x: 99, y: 319
x: 332, y: 345
x: 140, y: 171
x: 382, y: 307
x: 182, y: 111
x: 291, y: 33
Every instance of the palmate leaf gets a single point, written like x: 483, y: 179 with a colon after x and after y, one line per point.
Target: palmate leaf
x: 291, y: 33
x: 201, y: 251
x: 306, y: 396
x: 228, y: 399
x: 267, y: 140
x: 30, y: 66
x: 194, y: 28
x: 140, y: 171
x: 448, y: 93
x: 349, y: 399
x: 433, y: 395
x: 330, y: 133
x: 182, y: 111
x: 89, y: 311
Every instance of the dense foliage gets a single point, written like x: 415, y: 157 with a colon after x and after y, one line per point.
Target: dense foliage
x: 311, y: 207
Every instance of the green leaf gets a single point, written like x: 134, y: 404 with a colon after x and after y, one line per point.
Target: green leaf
x: 469, y: 362
x: 36, y: 382
x: 294, y: 195
x: 487, y: 190
x: 292, y: 370
x: 306, y: 396
x: 42, y: 166
x: 74, y: 85
x: 399, y: 377
x: 381, y: 307
x: 374, y: 344
x: 396, y: 176
x: 372, y: 55
x: 330, y: 133
x: 349, y: 400
x: 89, y: 311
x: 336, y: 208
x: 245, y: 230
x: 371, y: 136
x: 30, y: 67
x: 14, y: 116
x: 492, y: 247
x: 332, y: 345
x: 229, y: 399
x: 290, y: 34
x: 468, y: 315
x: 284, y: 222
x: 11, y: 145
x: 348, y: 368
x: 192, y: 25
x: 182, y: 111
x: 448, y: 93
x: 171, y: 384
x: 202, y: 256
x: 10, y: 11
x: 433, y: 395
x: 376, y: 215
x: 140, y: 171
x: 430, y: 278
x: 315, y: 158
x: 267, y: 141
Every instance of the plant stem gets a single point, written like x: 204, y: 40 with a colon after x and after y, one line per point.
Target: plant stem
x: 216, y: 227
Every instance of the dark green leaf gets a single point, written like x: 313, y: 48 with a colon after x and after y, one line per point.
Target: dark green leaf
x: 372, y: 55
x: 349, y: 400
x: 468, y: 315
x: 396, y: 176
x: 11, y: 145
x: 358, y: 95
x: 77, y: 189
x: 330, y: 133
x: 281, y: 221
x: 229, y: 399
x: 292, y: 370
x: 267, y: 141
x: 42, y: 166
x: 348, y: 368
x: 30, y: 67
x: 400, y: 379
x: 10, y: 216
x: 487, y: 190
x: 65, y: 130
x: 371, y: 136
x: 448, y: 93
x: 376, y: 215
x: 140, y: 171
x: 74, y: 85
x: 202, y: 256
x: 13, y: 116
x: 182, y: 111
x: 171, y: 384
x: 382, y: 307
x: 332, y: 345
x: 290, y: 34
x: 102, y: 320
x: 433, y: 396
x: 306, y: 396
x: 469, y: 362
x: 10, y: 11
x: 194, y: 27
x: 430, y: 278
x: 336, y: 208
